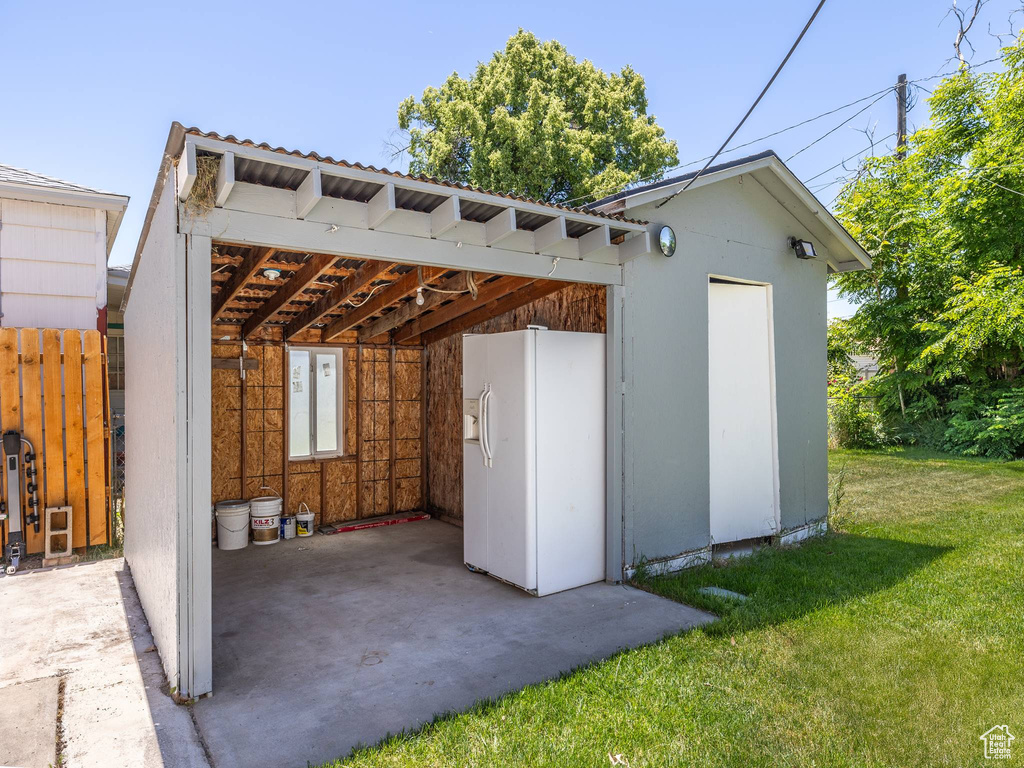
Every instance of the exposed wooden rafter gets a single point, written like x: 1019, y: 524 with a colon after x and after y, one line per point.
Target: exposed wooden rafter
x: 244, y: 272
x: 487, y: 292
x: 407, y: 312
x: 300, y: 281
x: 536, y: 290
x: 397, y: 291
x: 344, y: 290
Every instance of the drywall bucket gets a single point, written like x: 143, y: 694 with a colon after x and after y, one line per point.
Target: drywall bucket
x: 265, y: 516
x: 288, y: 527
x: 304, y: 523
x: 232, y: 524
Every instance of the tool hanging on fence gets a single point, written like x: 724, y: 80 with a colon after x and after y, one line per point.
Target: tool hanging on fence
x: 15, y: 548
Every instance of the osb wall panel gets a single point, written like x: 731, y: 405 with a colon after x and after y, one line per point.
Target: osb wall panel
x: 330, y: 488
x: 579, y: 308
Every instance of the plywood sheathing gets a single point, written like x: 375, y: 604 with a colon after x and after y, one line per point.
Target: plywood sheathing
x: 576, y: 307
x: 328, y: 487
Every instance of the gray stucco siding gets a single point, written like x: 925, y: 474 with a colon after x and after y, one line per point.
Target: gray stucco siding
x: 736, y: 229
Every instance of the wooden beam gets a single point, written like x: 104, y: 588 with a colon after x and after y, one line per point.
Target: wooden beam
x: 250, y: 265
x: 548, y: 237
x: 300, y: 281
x: 398, y: 290
x: 637, y: 245
x: 447, y: 215
x: 501, y: 226
x: 342, y: 291
x: 408, y: 311
x: 225, y: 178
x: 536, y: 290
x: 380, y: 206
x: 188, y: 170
x: 597, y: 241
x: 461, y: 305
x: 308, y: 194
x: 232, y: 364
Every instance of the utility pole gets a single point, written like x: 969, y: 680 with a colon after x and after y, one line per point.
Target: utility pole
x: 902, y: 290
x: 901, y: 116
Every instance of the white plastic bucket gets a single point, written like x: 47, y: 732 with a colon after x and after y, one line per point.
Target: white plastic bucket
x: 304, y: 521
x: 265, y: 518
x: 288, y: 527
x: 232, y: 524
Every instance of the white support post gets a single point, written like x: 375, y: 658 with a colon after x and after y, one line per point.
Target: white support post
x: 225, y: 178
x: 308, y: 194
x: 187, y: 171
x: 197, y: 670
x: 501, y: 226
x: 381, y: 206
x: 445, y: 216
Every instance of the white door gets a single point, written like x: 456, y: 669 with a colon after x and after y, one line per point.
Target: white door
x: 741, y: 412
x: 511, y: 478
x: 474, y: 473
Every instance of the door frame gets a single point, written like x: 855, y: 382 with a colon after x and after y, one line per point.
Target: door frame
x: 773, y: 400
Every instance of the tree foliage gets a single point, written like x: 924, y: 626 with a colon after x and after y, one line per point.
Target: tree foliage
x: 535, y: 121
x: 943, y: 306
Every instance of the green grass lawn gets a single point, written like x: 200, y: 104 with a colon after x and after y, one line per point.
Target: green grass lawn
x: 895, y: 643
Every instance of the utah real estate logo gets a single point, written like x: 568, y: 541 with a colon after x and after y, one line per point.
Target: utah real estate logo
x: 997, y: 742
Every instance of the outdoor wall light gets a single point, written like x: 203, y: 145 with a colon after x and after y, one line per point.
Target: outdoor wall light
x: 271, y: 274
x: 804, y: 248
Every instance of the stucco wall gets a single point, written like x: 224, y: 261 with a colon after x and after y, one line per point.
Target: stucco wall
x: 154, y: 407
x: 733, y: 228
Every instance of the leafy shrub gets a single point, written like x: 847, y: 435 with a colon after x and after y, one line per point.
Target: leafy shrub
x: 852, y: 421
x: 996, y: 431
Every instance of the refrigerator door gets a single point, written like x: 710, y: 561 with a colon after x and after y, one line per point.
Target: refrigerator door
x: 509, y: 433
x: 474, y: 470
x: 570, y: 460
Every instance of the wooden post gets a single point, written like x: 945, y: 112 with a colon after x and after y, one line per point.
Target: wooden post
x: 424, y: 487
x: 901, y: 116
x: 359, y: 431
x: 392, y: 391
x: 286, y: 426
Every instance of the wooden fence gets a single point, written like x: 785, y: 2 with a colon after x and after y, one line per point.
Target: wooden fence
x: 60, y: 403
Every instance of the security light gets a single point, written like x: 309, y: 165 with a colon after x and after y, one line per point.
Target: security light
x: 804, y: 248
x: 271, y: 274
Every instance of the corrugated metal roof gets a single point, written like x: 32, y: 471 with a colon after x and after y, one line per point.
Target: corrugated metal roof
x: 11, y: 175
x: 289, y: 177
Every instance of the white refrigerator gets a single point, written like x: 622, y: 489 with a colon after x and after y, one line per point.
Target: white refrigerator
x: 534, y: 457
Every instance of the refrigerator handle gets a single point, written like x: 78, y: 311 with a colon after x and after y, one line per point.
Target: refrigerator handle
x: 485, y: 442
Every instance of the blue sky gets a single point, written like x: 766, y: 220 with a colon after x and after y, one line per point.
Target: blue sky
x: 90, y: 90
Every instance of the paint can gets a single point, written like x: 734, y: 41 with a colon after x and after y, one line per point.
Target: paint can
x: 304, y: 521
x: 265, y: 517
x: 288, y: 527
x: 232, y: 523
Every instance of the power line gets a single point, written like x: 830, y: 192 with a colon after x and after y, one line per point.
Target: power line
x: 757, y: 101
x: 847, y: 159
x: 829, y: 133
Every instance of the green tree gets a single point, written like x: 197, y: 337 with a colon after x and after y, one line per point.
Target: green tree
x: 944, y: 223
x: 535, y: 121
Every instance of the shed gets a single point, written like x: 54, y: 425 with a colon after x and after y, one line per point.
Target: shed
x: 250, y: 254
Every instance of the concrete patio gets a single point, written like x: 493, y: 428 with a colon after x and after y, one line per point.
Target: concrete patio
x: 326, y: 643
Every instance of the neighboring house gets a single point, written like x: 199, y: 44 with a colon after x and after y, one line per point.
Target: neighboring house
x: 117, y: 279
x: 288, y: 269
x: 55, y: 237
x: 865, y: 365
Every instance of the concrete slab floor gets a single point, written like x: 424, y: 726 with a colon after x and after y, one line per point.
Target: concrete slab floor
x: 83, y: 625
x: 325, y: 643
x: 29, y: 733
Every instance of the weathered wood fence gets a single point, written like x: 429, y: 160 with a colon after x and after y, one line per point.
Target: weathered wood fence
x: 59, y: 401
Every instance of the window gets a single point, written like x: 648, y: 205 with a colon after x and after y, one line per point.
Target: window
x: 315, y: 402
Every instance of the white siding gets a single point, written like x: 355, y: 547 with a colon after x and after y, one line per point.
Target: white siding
x: 52, y: 265
x: 155, y: 393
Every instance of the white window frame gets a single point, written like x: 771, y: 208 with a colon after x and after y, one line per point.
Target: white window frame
x: 339, y: 353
